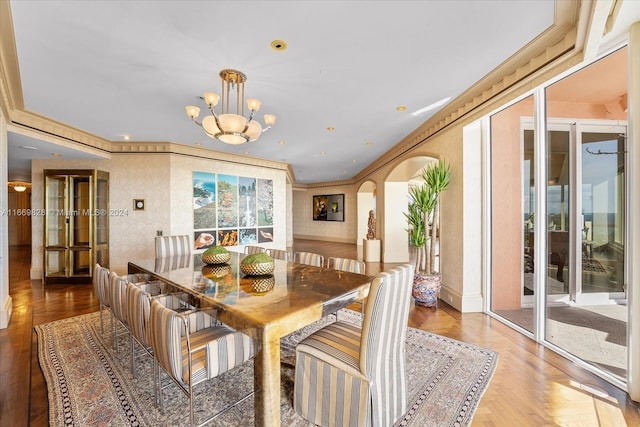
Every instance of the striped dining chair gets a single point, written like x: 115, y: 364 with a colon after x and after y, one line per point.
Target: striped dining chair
x: 100, y: 287
x: 347, y: 375
x: 308, y: 258
x: 346, y: 264
x: 167, y: 246
x: 350, y: 265
x: 190, y: 352
x: 253, y: 249
x: 282, y: 254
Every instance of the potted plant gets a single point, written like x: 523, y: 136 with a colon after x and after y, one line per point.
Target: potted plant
x: 423, y: 219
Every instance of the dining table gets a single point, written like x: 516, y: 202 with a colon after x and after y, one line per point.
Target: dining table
x: 265, y: 307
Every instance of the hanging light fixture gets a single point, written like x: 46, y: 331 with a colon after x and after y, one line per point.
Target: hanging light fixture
x: 228, y: 127
x: 18, y: 186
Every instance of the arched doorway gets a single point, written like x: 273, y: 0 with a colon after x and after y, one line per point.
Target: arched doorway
x: 396, y: 200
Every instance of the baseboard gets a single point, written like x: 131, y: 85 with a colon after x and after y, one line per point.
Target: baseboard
x: 5, y: 313
x: 36, y: 274
x: 333, y: 239
x: 462, y: 303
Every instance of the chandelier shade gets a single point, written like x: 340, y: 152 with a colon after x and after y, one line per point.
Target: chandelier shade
x: 230, y: 127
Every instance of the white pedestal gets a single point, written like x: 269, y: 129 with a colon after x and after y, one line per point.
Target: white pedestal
x: 371, y: 250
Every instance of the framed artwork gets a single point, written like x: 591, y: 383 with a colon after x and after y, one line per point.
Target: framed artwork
x: 231, y: 210
x: 328, y: 207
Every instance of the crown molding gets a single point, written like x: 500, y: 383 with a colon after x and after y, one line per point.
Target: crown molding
x: 154, y: 147
x: 10, y: 84
x: 32, y: 124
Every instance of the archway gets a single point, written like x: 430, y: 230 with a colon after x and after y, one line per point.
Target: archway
x: 396, y: 200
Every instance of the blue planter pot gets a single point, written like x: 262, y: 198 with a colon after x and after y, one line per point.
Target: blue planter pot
x: 426, y: 289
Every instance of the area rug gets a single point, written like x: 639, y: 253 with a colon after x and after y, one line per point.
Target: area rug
x: 89, y: 384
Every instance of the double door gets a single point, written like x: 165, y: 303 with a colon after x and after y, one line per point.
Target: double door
x: 76, y: 224
x: 585, y: 234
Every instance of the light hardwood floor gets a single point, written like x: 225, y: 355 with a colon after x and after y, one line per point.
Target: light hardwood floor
x: 532, y: 386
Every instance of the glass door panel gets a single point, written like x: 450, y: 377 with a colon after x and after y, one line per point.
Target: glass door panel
x: 80, y: 262
x: 602, y: 239
x: 585, y: 314
x: 56, y: 262
x: 558, y: 222
x: 55, y: 205
x: 512, y: 213
x: 81, y: 210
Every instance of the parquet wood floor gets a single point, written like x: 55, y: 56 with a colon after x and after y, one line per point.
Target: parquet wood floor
x: 532, y: 386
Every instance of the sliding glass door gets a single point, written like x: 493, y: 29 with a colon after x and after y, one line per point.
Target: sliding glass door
x: 558, y: 268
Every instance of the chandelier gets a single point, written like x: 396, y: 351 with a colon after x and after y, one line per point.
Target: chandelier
x: 229, y: 127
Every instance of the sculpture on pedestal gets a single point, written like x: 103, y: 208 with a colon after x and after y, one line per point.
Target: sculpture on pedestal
x: 371, y: 233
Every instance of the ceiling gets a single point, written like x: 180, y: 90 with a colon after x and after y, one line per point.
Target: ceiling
x: 115, y: 68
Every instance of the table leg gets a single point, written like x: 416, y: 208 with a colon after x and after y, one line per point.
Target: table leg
x: 267, y: 382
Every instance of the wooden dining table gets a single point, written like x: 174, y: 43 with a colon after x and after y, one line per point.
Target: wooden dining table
x: 266, y: 308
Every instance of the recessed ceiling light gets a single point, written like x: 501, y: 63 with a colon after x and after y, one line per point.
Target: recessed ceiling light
x: 369, y: 144
x: 401, y: 108
x: 331, y: 128
x: 126, y: 137
x: 279, y: 45
x: 246, y: 152
x: 353, y: 161
x: 55, y: 154
x: 323, y: 153
x: 281, y: 142
x: 199, y: 144
x: 28, y: 147
x: 431, y: 107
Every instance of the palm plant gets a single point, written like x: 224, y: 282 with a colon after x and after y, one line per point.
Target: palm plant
x: 424, y: 212
x: 421, y: 205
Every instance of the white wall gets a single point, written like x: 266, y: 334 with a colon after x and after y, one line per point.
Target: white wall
x: 165, y: 182
x: 396, y: 246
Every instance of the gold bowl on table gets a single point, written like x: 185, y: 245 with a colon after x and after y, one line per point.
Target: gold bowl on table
x: 258, y: 269
x: 216, y: 258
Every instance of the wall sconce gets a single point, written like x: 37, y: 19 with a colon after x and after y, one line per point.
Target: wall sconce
x: 623, y: 102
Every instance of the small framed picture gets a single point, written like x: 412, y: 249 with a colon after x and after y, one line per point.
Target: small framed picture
x: 138, y: 204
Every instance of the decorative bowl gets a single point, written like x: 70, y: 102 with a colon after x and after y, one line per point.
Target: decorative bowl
x: 216, y: 271
x: 216, y: 258
x: 257, y: 269
x: 262, y: 284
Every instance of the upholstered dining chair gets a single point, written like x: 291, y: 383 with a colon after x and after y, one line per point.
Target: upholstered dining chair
x: 346, y: 264
x: 282, y: 254
x: 167, y: 246
x: 308, y: 258
x: 350, y: 265
x: 253, y: 249
x: 191, y: 354
x: 347, y: 375
x: 100, y: 287
x: 117, y: 295
x: 138, y: 305
x: 117, y: 300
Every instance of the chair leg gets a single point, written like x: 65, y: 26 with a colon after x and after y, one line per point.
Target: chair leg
x: 191, y: 417
x: 133, y: 356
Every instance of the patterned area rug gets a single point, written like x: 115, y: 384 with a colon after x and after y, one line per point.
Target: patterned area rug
x: 89, y: 384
